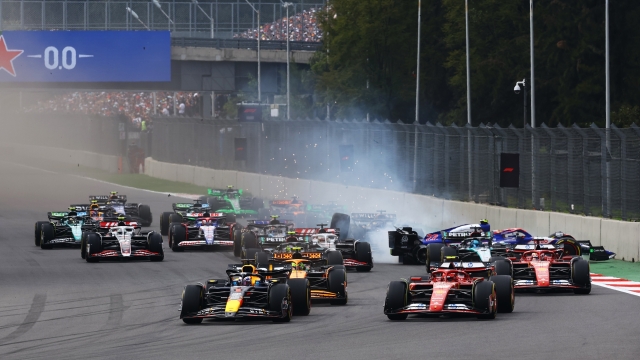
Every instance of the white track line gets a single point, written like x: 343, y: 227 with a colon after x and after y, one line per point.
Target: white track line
x: 617, y: 284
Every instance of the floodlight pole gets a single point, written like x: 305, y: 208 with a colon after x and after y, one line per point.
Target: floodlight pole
x: 287, y: 4
x: 259, y: 36
x: 157, y: 4
x: 135, y: 16
x: 205, y: 14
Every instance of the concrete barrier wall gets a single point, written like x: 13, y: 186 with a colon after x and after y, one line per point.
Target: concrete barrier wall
x: 433, y: 213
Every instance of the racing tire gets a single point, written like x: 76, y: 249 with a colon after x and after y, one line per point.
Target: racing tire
x: 155, y: 245
x: 164, y: 223
x: 363, y: 254
x: 237, y: 242
x: 38, y: 231
x: 257, y: 204
x: 249, y: 240
x: 300, y: 296
x: 396, y: 299
x: 278, y: 294
x: 420, y: 255
x: 177, y: 235
x: 144, y: 212
x: 93, y: 246
x: 482, y: 293
x: 569, y: 246
x: 447, y: 251
x: 334, y: 258
x: 214, y: 204
x: 433, y: 255
x: 262, y: 259
x: 175, y: 218
x: 342, y: 222
x: 503, y: 267
x: 250, y: 254
x: 580, y: 275
x: 338, y: 284
x: 83, y: 245
x: 191, y: 303
x: 505, y: 294
x: 230, y: 218
x: 47, y: 233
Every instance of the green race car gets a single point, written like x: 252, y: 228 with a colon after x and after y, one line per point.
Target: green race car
x: 235, y: 201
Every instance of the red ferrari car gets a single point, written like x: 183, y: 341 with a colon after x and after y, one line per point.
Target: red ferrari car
x: 450, y: 290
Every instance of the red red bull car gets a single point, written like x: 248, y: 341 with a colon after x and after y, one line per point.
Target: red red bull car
x: 448, y: 291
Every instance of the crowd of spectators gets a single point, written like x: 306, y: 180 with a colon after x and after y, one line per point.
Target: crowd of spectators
x: 136, y: 106
x: 303, y: 27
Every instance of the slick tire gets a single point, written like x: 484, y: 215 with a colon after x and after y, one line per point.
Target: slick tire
x: 47, y: 233
x: 363, y: 254
x: 175, y: 218
x: 433, y: 255
x: 396, y: 299
x: 250, y: 254
x: 192, y: 297
x: 249, y: 240
x: 237, y: 242
x: 83, y: 245
x: 155, y: 245
x: 93, y: 246
x: 334, y: 258
x: 342, y: 222
x: 503, y: 267
x: 300, y: 296
x: 279, y: 297
x: 482, y: 293
x: 580, y: 276
x: 178, y: 234
x: 262, y: 260
x: 505, y: 295
x: 164, y: 223
x: 447, y: 251
x: 338, y: 284
x: 144, y: 212
x: 38, y: 231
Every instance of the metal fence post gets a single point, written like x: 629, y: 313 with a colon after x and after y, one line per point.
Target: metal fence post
x: 623, y: 170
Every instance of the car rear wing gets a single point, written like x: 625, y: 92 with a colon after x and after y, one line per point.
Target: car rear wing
x: 268, y: 222
x: 102, y: 199
x: 80, y: 207
x: 59, y: 215
x: 186, y: 206
x: 284, y: 203
x: 110, y: 224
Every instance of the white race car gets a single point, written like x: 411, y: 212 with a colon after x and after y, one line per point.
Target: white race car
x: 122, y: 240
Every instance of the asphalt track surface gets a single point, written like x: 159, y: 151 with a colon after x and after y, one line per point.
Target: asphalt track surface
x: 53, y: 305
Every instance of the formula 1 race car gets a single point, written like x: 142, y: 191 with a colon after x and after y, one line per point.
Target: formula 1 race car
x: 140, y: 212
x: 364, y: 223
x: 327, y: 281
x: 405, y: 243
x: 476, y: 255
x: 63, y: 228
x: 124, y: 240
x: 244, y: 294
x: 357, y: 254
x: 449, y: 290
x: 234, y: 202
x: 180, y: 210
x: 202, y: 231
x: 540, y: 266
x: 259, y: 233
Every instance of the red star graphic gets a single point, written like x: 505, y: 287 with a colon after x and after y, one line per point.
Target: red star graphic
x: 7, y: 56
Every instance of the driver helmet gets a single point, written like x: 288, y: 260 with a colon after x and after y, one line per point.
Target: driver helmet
x: 302, y: 266
x: 121, y: 219
x: 475, y: 243
x: 534, y: 255
x: 114, y: 195
x: 246, y: 281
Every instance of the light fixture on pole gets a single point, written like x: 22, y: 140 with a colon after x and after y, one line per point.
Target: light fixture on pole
x: 533, y: 109
x: 607, y: 211
x: 205, y: 14
x: 135, y: 16
x: 157, y: 4
x: 287, y: 4
x: 259, y: 35
x: 516, y: 90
